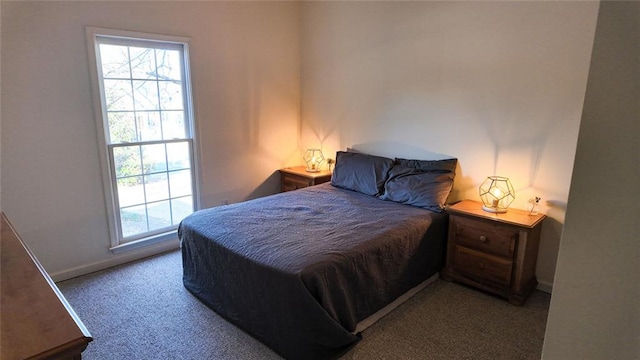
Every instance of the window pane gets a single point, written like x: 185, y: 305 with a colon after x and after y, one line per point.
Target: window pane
x: 133, y: 220
x: 149, y: 128
x: 181, y: 207
x: 117, y: 95
x: 159, y: 215
x: 143, y: 63
x: 170, y: 95
x: 154, y: 158
x: 122, y: 127
x: 115, y: 61
x: 168, y: 64
x: 178, y: 155
x: 130, y: 191
x: 156, y: 187
x: 173, y: 126
x: 146, y: 95
x: 180, y: 183
x: 126, y: 160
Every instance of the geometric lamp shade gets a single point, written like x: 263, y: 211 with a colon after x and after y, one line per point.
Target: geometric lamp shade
x: 497, y: 194
x: 313, y: 158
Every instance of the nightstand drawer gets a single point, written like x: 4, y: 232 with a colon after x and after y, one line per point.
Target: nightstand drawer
x: 482, y: 266
x: 297, y: 177
x: 293, y: 183
x: 486, y: 237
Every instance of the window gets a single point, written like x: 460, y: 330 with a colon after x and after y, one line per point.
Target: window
x: 146, y: 129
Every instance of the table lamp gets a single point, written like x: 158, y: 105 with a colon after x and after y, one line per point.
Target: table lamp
x: 497, y: 194
x: 313, y: 158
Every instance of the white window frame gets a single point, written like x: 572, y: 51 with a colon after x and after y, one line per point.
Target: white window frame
x: 93, y: 34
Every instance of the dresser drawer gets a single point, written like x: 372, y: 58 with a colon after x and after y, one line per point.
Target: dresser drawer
x: 483, y: 266
x: 481, y: 235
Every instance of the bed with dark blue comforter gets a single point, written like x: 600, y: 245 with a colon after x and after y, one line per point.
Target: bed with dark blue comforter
x: 298, y: 270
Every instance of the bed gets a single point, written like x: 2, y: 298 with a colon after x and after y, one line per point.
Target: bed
x: 301, y: 270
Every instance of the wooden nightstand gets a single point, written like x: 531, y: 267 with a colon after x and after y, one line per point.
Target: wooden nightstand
x: 493, y: 252
x: 297, y: 177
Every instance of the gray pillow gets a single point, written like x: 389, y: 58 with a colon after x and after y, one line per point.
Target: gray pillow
x: 361, y: 172
x: 422, y: 183
x: 441, y: 166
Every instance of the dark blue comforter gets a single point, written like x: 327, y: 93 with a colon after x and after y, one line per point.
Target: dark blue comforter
x: 298, y: 270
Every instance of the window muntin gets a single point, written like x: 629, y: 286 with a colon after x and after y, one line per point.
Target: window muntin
x: 148, y: 134
x: 154, y: 185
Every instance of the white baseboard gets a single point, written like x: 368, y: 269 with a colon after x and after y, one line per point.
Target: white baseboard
x: 545, y: 286
x: 116, y: 260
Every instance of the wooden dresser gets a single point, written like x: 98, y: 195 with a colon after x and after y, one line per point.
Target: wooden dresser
x: 36, y: 320
x: 493, y: 252
x: 297, y: 177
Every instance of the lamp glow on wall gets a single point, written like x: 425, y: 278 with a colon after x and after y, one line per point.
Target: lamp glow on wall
x: 313, y: 158
x: 497, y: 194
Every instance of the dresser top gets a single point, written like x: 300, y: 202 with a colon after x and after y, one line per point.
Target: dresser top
x: 37, y: 321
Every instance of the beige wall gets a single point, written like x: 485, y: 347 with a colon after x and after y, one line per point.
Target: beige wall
x: 595, y: 307
x: 499, y: 85
x: 245, y: 63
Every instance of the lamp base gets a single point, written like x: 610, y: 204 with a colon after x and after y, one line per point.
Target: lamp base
x: 312, y: 170
x: 493, y: 210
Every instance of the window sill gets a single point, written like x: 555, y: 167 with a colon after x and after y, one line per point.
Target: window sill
x: 152, y: 240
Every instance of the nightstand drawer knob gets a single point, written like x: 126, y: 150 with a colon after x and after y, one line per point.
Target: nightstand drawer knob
x: 483, y: 238
x: 481, y: 265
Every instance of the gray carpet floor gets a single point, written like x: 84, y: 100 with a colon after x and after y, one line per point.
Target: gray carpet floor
x: 141, y: 310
